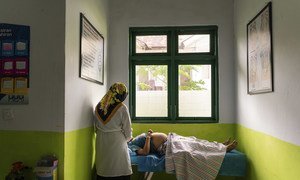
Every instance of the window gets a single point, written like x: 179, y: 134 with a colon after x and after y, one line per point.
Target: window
x: 173, y: 74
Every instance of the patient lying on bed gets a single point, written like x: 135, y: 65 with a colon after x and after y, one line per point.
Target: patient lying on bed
x: 156, y: 143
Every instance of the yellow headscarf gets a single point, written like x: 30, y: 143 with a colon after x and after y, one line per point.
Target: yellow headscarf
x: 111, y: 101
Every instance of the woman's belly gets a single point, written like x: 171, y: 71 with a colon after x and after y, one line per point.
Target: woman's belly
x: 158, y: 139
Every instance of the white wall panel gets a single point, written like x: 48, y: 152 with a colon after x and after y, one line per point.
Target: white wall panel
x: 45, y: 111
x: 132, y: 13
x: 81, y: 95
x: 275, y: 113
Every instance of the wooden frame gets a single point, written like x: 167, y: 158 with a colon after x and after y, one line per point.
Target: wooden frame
x: 259, y: 52
x: 91, y: 52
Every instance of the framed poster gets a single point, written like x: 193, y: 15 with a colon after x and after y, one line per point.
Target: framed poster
x: 259, y: 52
x: 91, y: 52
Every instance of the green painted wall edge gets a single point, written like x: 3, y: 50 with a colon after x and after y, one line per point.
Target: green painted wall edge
x: 80, y: 144
x: 75, y: 149
x: 269, y: 158
x: 211, y: 132
x: 80, y: 154
x: 29, y: 147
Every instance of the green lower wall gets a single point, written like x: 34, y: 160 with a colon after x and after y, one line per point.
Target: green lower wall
x: 28, y: 147
x: 268, y: 158
x: 211, y: 132
x: 76, y: 149
x: 79, y: 144
x: 79, y: 154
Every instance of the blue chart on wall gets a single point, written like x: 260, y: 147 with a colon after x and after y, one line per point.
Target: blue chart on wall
x: 14, y: 63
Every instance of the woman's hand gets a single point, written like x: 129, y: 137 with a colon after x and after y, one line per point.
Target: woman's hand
x: 146, y: 149
x: 149, y: 135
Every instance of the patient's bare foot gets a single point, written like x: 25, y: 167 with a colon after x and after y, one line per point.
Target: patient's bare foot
x: 227, y: 142
x: 231, y: 146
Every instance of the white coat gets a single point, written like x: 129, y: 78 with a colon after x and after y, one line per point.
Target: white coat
x: 112, y: 156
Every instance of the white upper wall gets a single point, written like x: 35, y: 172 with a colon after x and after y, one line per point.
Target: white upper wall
x: 81, y: 95
x: 145, y: 13
x: 45, y: 111
x: 275, y: 113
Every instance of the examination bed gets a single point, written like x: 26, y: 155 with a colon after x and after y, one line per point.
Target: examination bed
x: 234, y: 164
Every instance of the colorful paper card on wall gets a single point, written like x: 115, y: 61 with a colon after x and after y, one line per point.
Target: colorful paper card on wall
x: 21, y: 66
x: 7, y: 48
x: 21, y: 48
x: 7, y: 67
x: 7, y: 85
x: 20, y: 85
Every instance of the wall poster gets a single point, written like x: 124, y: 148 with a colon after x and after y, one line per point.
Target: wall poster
x: 259, y: 55
x: 14, y: 63
x: 91, y: 52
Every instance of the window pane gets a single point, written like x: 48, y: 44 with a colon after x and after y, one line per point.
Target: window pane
x: 151, y: 44
x: 194, y: 84
x: 194, y: 43
x: 151, y: 91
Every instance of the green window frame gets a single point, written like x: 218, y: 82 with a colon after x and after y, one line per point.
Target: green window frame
x: 172, y: 59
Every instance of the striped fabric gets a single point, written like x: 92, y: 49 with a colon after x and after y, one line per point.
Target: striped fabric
x: 193, y: 159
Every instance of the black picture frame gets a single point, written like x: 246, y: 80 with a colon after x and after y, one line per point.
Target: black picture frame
x: 260, y: 52
x: 91, y: 52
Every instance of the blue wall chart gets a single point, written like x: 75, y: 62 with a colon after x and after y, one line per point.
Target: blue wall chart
x: 14, y: 63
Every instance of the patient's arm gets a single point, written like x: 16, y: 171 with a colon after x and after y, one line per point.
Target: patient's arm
x: 157, y: 139
x: 146, y: 149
